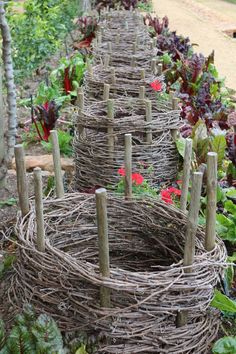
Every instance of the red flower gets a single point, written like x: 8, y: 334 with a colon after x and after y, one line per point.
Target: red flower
x: 174, y: 190
x: 121, y: 171
x: 179, y: 182
x: 166, y: 196
x: 156, y: 85
x: 137, y: 178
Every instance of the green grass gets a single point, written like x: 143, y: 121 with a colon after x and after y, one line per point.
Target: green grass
x: 232, y: 1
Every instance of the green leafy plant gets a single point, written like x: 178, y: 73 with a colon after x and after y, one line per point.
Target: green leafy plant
x: 223, y: 302
x: 225, y: 345
x: 5, y: 265
x: 65, y: 143
x: 69, y: 74
x: 31, y: 335
x: 38, y: 31
x: 226, y: 222
x: 8, y: 202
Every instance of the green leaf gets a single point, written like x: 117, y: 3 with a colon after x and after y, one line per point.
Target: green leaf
x: 231, y: 193
x: 180, y: 144
x: 230, y: 207
x: 223, y: 303
x: 81, y: 350
x: 218, y: 145
x: 225, y: 345
x: 223, y: 220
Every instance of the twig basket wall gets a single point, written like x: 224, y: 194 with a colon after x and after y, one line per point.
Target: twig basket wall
x: 147, y: 279
x: 97, y: 164
x: 123, y: 81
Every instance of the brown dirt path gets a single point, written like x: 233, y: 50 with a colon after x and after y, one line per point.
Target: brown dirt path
x: 204, y: 22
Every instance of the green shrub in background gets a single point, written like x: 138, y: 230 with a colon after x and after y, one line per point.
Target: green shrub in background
x: 38, y: 31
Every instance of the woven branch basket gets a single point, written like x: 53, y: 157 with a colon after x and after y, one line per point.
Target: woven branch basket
x: 157, y: 161
x: 147, y: 280
x: 127, y: 83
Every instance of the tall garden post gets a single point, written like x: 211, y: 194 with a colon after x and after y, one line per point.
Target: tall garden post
x: 10, y: 85
x: 142, y: 74
x: 22, y: 185
x: 38, y: 190
x: 148, y: 105
x: 153, y: 66
x: 3, y: 167
x: 106, y: 61
x: 106, y: 92
x: 192, y: 223
x: 128, y: 166
x: 109, y: 44
x: 80, y: 100
x: 133, y: 61
x: 57, y: 164
x: 174, y: 132
x: 103, y: 243
x: 134, y: 47
x: 211, y: 201
x: 159, y: 69
x: 142, y: 92
x: 117, y: 41
x: 186, y: 174
x: 113, y: 76
x: 90, y: 68
x: 110, y: 131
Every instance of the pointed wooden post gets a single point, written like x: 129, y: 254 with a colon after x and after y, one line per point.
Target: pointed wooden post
x: 110, y: 131
x: 128, y: 166
x: 142, y: 74
x: 106, y: 92
x: 148, y: 105
x: 211, y: 201
x: 186, y: 174
x: 142, y: 92
x: 189, y: 247
x: 22, y: 185
x: 57, y: 164
x: 159, y: 69
x: 103, y: 243
x: 38, y: 190
x: 106, y: 61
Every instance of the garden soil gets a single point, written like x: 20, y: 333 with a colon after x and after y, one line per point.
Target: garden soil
x: 204, y: 22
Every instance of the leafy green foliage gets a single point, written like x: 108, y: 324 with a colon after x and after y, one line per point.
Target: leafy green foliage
x: 32, y: 335
x: 226, y: 223
x: 38, y: 31
x: 6, y: 264
x: 225, y: 345
x: 223, y: 303
x: 8, y: 202
x: 65, y: 143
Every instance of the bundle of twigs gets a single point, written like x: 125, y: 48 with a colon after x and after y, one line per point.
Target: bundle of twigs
x: 124, y: 81
x: 147, y: 279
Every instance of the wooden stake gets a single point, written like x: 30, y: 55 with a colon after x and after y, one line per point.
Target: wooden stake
x: 106, y: 92
x: 142, y: 74
x: 22, y: 185
x: 90, y: 68
x: 80, y: 100
x: 186, y: 174
x: 175, y: 103
x: 148, y: 105
x: 110, y: 131
x: 113, y: 76
x: 106, y: 61
x: 109, y: 47
x: 38, y: 190
x: 128, y: 166
x: 118, y: 38
x: 133, y: 62
x: 2, y: 129
x: 142, y: 92
x: 134, y: 48
x: 103, y: 243
x: 211, y: 201
x: 189, y: 249
x: 192, y: 223
x: 57, y: 164
x: 159, y: 69
x: 99, y: 38
x: 153, y: 66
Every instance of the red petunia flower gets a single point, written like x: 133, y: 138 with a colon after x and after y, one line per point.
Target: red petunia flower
x: 137, y: 178
x: 166, y: 196
x: 156, y: 85
x: 121, y: 171
x: 174, y: 190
